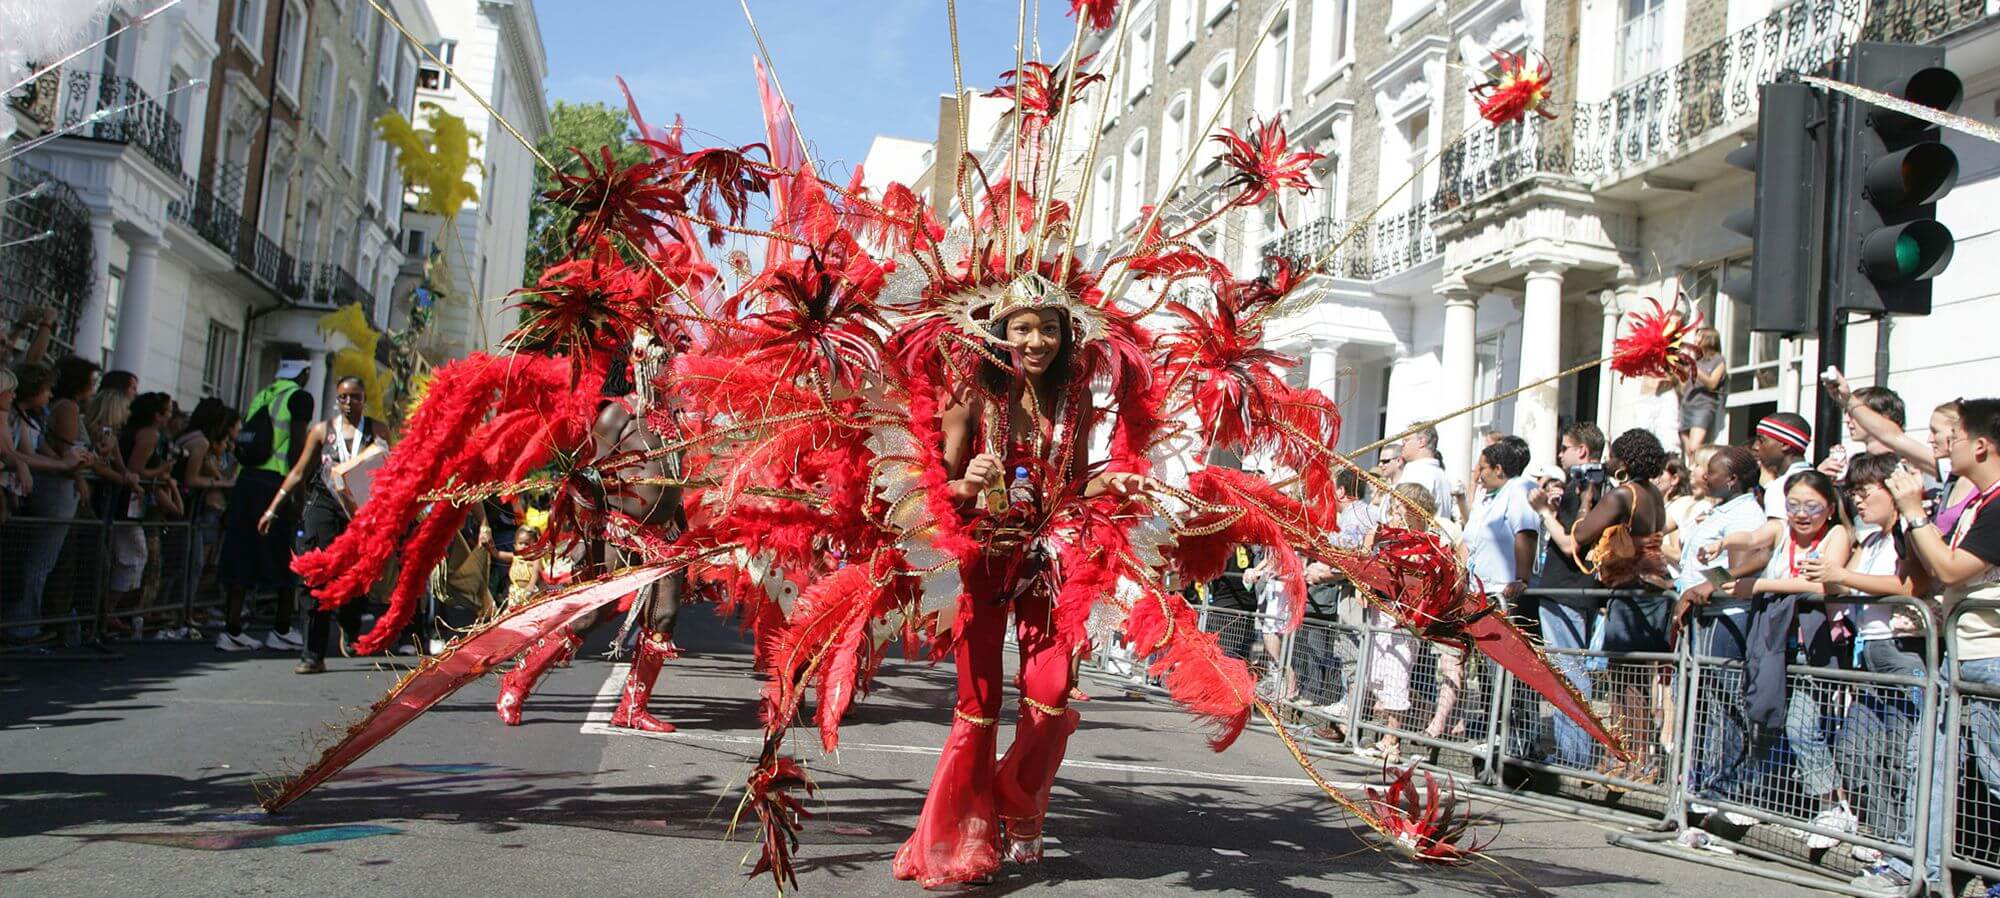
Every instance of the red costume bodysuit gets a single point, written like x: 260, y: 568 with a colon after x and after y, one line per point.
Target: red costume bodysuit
x: 959, y: 833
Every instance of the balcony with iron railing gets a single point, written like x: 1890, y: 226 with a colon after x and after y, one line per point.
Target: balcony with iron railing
x: 111, y: 108
x: 199, y: 210
x: 1671, y: 113
x: 1383, y: 248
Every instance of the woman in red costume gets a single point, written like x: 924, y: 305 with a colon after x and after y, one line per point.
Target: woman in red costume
x: 974, y: 805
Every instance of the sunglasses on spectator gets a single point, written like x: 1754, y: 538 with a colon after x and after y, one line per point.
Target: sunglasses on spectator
x: 1806, y: 508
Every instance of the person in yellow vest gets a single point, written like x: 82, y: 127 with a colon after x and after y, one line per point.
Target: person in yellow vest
x: 273, y: 435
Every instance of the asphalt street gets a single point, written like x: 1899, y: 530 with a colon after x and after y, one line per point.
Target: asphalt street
x: 137, y: 777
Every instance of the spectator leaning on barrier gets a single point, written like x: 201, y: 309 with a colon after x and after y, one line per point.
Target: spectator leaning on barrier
x: 1785, y: 631
x: 1731, y: 480
x: 61, y: 441
x: 1879, y: 739
x: 1780, y: 449
x: 1423, y: 467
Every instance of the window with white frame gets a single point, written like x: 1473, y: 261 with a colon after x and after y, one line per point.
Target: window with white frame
x: 1417, y: 138
x: 292, y: 50
x: 114, y: 300
x: 1324, y: 199
x: 178, y: 98
x: 218, y: 364
x: 113, y: 62
x: 371, y: 183
x: 336, y: 249
x: 1213, y: 94
x: 1132, y: 187
x: 350, y: 135
x: 307, y: 249
x: 362, y: 18
x: 1274, y: 68
x: 1755, y: 359
x: 247, y: 22
x: 391, y: 187
x: 385, y: 57
x: 1329, y: 42
x: 1174, y: 127
x: 1139, y: 66
x: 271, y: 214
x: 1486, y: 374
x: 323, y: 98
x: 1180, y: 27
x: 1641, y: 37
x: 1104, y: 203
x: 429, y: 76
x: 406, y: 80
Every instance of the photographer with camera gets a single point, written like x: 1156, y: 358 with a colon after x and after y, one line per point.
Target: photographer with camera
x: 1569, y: 621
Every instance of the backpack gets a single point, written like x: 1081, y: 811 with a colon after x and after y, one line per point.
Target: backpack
x: 256, y: 440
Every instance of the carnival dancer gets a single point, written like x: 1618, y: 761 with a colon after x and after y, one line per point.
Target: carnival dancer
x: 326, y: 509
x: 622, y: 428
x: 1014, y: 479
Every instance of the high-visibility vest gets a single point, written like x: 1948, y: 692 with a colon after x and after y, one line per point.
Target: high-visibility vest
x: 277, y: 397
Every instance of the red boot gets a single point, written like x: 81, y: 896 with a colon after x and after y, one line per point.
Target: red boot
x: 517, y: 683
x: 654, y: 650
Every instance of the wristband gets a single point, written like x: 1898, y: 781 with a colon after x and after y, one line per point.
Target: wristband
x: 1916, y: 522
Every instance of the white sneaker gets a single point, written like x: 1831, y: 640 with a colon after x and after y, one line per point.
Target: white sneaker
x: 1739, y: 819
x: 1335, y: 710
x: 288, y: 641
x: 1866, y: 855
x: 173, y: 634
x: 243, y: 643
x: 1838, y: 819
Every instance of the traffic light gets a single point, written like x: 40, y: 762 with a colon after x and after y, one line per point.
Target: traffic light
x: 1896, y: 169
x: 1783, y: 224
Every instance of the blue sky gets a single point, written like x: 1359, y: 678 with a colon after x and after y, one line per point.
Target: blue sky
x: 852, y: 68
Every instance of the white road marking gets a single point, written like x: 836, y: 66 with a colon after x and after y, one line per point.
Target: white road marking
x: 598, y: 723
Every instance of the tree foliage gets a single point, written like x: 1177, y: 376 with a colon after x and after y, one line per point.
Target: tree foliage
x: 586, y: 127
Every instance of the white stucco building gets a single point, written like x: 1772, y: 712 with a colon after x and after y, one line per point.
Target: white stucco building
x: 495, y: 47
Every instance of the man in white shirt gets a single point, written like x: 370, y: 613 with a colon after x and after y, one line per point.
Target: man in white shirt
x: 1423, y: 467
x: 1731, y: 478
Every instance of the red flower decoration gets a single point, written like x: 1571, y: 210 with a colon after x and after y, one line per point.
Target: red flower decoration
x: 1261, y: 165
x: 1237, y: 384
x: 820, y: 320
x: 1658, y: 345
x: 625, y: 201
x: 728, y: 173
x: 1428, y: 823
x: 1098, y: 13
x: 1037, y: 87
x: 1518, y: 90
x: 583, y: 306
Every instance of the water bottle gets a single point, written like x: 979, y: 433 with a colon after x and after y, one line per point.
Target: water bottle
x: 1021, y: 491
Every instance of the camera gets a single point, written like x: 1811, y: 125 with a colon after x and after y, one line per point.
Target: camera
x: 1588, y: 474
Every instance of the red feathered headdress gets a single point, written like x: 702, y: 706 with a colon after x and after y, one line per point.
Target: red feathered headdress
x: 1515, y: 91
x: 1658, y: 345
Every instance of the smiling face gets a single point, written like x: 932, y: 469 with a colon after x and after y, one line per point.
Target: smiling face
x: 1721, y: 484
x: 1036, y: 336
x: 1806, y: 510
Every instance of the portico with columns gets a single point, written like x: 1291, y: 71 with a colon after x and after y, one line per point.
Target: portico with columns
x: 1532, y: 274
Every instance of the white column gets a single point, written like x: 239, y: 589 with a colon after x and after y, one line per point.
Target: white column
x: 1461, y: 314
x: 90, y: 320
x: 135, y: 309
x: 1606, y: 378
x: 1541, y: 355
x: 1323, y: 367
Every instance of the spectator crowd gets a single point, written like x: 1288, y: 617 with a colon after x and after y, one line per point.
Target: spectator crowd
x: 1765, y: 562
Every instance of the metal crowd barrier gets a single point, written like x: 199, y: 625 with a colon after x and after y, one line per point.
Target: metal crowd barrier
x: 74, y: 559
x: 1868, y: 735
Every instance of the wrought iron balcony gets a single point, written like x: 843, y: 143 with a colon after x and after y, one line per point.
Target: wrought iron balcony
x: 1662, y: 115
x: 1486, y: 161
x: 201, y: 212
x: 329, y: 286
x: 36, y: 100
x: 1385, y: 247
x: 45, y: 251
x: 1919, y: 21
x: 113, y: 108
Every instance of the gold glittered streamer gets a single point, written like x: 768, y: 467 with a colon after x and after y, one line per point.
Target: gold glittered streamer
x: 1938, y: 117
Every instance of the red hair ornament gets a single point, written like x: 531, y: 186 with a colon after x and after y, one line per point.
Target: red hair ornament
x: 1658, y: 345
